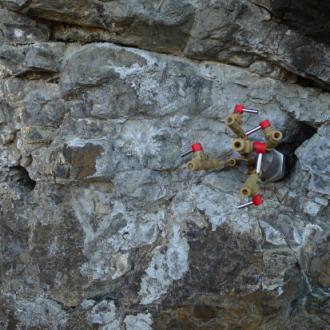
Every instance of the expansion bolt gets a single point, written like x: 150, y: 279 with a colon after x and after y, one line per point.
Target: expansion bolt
x: 256, y: 201
x: 239, y: 108
x: 194, y: 148
x: 262, y: 125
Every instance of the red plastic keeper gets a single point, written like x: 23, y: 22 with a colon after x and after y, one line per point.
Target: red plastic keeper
x: 260, y: 147
x: 239, y: 108
x: 257, y: 200
x: 196, y: 147
x: 264, y: 124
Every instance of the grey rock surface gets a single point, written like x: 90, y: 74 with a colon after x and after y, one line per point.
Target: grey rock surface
x: 20, y: 29
x: 101, y: 226
x: 236, y: 32
x: 314, y: 158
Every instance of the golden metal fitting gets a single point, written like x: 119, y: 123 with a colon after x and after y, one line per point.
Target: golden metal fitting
x: 234, y: 122
x: 231, y: 162
x: 201, y: 161
x: 273, y: 137
x: 242, y: 146
x: 203, y: 164
x: 250, y: 187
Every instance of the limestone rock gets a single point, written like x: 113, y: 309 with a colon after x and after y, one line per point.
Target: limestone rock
x: 44, y: 57
x: 101, y: 226
x: 20, y: 29
x: 314, y: 158
x: 237, y: 32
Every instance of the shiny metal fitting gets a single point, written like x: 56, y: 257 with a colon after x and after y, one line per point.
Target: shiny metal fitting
x: 273, y: 167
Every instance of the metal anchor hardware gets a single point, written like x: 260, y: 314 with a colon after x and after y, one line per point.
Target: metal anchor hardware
x: 265, y: 163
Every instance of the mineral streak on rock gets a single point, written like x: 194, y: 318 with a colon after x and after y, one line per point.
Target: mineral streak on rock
x: 100, y: 226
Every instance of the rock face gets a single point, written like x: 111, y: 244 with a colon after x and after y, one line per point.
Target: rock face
x: 101, y: 226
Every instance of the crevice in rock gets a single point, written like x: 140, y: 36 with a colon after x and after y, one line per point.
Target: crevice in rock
x: 20, y: 177
x: 67, y: 309
x: 85, y: 34
x: 306, y: 16
x: 305, y: 132
x: 107, y: 38
x: 306, y: 82
x: 90, y: 34
x: 49, y: 77
x: 25, y: 7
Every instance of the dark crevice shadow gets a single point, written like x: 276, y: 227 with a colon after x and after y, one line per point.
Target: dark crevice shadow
x: 19, y: 176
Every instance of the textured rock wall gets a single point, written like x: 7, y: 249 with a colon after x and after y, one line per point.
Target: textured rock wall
x: 101, y: 227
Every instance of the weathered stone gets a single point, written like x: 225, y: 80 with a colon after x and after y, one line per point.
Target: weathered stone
x: 38, y: 313
x: 82, y: 159
x: 302, y: 15
x: 81, y: 12
x: 319, y: 266
x: 19, y: 29
x: 99, y: 102
x: 150, y: 25
x: 101, y: 226
x: 138, y: 322
x: 314, y: 157
x: 104, y: 313
x: 224, y: 30
x: 267, y: 69
x: 43, y: 106
x: 205, y: 312
x: 11, y: 59
x: 44, y: 57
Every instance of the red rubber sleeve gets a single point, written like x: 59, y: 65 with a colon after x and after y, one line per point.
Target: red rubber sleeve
x: 196, y: 147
